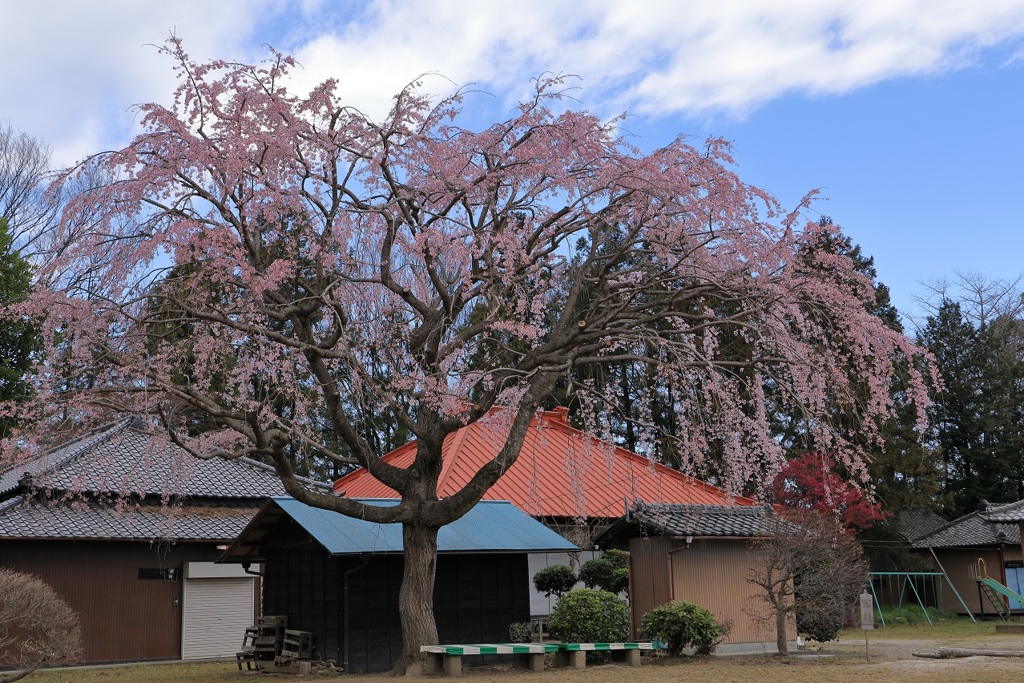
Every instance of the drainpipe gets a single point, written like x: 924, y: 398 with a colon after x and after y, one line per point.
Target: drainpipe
x: 365, y: 560
x: 246, y: 568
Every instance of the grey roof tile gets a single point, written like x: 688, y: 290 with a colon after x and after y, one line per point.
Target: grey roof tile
x: 22, y: 517
x: 969, y: 531
x: 121, y: 459
x: 91, y: 488
x: 1009, y: 513
x: 705, y: 520
x: 56, y: 457
x: 913, y: 524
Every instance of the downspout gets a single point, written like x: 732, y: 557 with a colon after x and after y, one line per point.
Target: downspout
x: 365, y: 560
x: 246, y: 568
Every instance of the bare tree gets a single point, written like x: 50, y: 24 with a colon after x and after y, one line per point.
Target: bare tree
x: 983, y: 299
x: 36, y: 626
x: 24, y: 201
x: 810, y: 569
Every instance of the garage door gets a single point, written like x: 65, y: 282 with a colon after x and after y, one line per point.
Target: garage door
x: 216, y: 613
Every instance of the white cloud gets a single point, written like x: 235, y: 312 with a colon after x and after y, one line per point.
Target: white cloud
x: 74, y: 68
x: 662, y: 56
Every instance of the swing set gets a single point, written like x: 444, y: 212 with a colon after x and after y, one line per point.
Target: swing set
x: 908, y: 579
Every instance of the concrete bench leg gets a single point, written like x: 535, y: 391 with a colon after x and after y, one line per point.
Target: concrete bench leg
x: 535, y: 661
x: 577, y: 659
x: 630, y: 657
x: 433, y: 663
x: 453, y: 665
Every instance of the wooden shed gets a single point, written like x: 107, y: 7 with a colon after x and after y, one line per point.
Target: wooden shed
x: 126, y: 528
x: 339, y: 577
x: 697, y: 553
x: 956, y: 547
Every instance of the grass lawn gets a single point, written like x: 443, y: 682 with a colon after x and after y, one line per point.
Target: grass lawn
x: 943, y: 628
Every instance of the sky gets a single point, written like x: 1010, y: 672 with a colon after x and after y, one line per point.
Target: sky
x: 906, y: 114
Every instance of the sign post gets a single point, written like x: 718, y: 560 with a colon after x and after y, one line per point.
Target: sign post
x: 867, y: 619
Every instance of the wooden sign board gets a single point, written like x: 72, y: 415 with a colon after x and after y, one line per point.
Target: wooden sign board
x: 867, y: 612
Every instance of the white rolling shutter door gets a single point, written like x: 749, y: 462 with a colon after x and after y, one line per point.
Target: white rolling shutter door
x: 216, y: 614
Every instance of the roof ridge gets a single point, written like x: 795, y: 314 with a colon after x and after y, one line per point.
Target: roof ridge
x: 446, y: 464
x: 1003, y: 507
x: 948, y: 525
x: 97, y: 435
x: 11, y: 503
x: 270, y: 469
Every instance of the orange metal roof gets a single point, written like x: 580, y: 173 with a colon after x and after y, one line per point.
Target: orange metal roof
x: 560, y: 472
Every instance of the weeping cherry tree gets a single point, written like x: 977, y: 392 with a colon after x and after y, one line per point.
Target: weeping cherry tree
x: 263, y: 273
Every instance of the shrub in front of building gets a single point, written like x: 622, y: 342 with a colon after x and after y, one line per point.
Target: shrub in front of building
x: 589, y: 616
x: 681, y: 625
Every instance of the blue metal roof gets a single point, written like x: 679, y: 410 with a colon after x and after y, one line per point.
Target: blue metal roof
x: 491, y: 526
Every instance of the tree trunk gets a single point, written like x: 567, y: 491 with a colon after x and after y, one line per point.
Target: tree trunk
x: 416, y: 598
x: 781, y: 614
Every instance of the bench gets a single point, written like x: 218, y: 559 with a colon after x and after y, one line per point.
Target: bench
x: 575, y: 654
x: 449, y: 657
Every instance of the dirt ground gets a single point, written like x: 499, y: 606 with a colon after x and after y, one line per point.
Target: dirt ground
x: 891, y: 661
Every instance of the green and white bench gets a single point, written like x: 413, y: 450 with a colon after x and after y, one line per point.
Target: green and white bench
x: 575, y: 654
x: 449, y: 657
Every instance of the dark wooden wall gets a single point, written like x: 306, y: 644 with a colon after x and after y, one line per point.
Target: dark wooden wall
x: 123, y: 617
x: 476, y: 597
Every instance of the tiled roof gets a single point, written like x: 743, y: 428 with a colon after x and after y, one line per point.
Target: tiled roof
x: 55, y: 458
x: 967, y: 532
x: 913, y: 524
x: 705, y: 520
x: 122, y: 459
x: 25, y: 518
x: 560, y: 472
x: 1011, y: 513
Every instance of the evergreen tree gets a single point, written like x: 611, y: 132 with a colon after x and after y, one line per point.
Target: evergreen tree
x: 956, y: 414
x: 18, y: 340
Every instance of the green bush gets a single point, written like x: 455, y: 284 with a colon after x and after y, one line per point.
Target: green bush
x: 680, y: 625
x: 912, y: 615
x: 589, y: 616
x: 558, y: 579
x: 610, y: 572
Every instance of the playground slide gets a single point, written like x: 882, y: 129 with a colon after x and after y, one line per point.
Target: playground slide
x: 1003, y: 590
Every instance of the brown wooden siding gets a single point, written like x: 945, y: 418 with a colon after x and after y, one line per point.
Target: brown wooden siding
x: 958, y: 563
x: 123, y: 617
x: 648, y: 577
x: 713, y: 574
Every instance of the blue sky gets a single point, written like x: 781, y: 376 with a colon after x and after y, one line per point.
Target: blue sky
x: 905, y: 113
